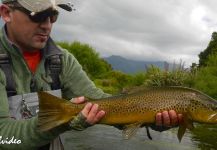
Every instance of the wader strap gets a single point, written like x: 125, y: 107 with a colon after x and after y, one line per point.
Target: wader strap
x: 54, y: 65
x: 5, y: 64
x: 6, y: 68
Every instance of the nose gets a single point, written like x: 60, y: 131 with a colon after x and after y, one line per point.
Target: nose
x: 47, y: 25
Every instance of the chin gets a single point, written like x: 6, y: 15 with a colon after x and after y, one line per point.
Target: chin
x: 39, y: 45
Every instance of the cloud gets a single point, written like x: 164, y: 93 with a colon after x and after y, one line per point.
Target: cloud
x: 141, y: 30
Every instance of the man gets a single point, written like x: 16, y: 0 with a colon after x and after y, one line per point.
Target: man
x: 25, y: 39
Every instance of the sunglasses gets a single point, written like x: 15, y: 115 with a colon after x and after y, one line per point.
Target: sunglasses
x: 41, y: 16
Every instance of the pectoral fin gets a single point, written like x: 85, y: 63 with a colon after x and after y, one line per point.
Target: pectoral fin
x: 130, y: 130
x: 187, y: 123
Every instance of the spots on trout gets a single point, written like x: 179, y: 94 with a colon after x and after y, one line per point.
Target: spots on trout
x: 156, y: 101
x: 196, y: 105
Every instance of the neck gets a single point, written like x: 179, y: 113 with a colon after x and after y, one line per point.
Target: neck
x: 30, y: 51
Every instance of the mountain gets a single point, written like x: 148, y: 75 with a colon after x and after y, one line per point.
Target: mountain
x: 131, y: 66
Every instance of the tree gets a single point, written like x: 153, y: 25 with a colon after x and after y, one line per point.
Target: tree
x: 211, y: 49
x: 88, y: 58
x: 206, y: 77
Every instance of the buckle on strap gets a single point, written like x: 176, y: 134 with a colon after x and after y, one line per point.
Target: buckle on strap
x: 53, y: 64
x: 4, y: 59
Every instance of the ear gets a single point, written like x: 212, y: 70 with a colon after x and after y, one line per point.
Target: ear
x: 5, y: 13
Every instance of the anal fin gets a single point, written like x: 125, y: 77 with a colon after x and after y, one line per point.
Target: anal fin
x: 130, y: 130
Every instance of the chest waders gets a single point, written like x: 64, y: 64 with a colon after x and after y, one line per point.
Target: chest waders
x: 26, y: 105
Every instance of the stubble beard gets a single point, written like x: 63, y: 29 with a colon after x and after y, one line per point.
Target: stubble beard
x: 33, y: 46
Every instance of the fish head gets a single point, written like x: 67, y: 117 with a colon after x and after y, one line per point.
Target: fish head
x: 203, y: 109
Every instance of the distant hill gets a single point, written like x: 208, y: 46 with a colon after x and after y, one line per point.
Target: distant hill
x: 131, y: 66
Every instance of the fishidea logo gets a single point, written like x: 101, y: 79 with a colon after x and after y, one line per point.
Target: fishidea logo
x: 11, y: 140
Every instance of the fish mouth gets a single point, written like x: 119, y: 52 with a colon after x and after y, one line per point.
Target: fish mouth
x: 213, y: 118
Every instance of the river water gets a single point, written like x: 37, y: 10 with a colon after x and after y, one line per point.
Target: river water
x: 102, y: 137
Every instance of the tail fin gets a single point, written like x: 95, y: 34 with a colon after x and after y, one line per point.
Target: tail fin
x: 52, y: 111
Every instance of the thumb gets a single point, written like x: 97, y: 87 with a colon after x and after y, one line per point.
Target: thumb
x: 78, y: 100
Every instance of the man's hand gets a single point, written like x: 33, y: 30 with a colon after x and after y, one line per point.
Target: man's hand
x: 168, y: 118
x: 91, y: 111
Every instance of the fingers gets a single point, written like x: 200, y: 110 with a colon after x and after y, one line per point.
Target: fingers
x: 180, y: 118
x: 86, y: 109
x: 159, y: 120
x: 173, y: 117
x: 78, y: 100
x: 92, y: 113
x: 95, y: 115
x: 168, y: 118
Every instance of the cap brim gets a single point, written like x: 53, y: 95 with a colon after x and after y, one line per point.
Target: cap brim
x: 67, y: 7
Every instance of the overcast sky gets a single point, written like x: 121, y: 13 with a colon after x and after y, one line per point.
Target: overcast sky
x: 170, y: 30
x: 148, y: 30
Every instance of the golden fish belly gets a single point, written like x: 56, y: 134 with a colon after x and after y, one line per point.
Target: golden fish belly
x: 112, y: 119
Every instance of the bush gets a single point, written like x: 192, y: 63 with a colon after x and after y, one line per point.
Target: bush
x: 157, y: 77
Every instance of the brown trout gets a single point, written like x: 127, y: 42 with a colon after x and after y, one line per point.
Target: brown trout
x: 134, y: 110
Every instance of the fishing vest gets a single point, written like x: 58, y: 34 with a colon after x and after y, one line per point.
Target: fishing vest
x: 26, y: 105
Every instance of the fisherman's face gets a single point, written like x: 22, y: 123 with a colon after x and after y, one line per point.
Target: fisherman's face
x: 27, y: 33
